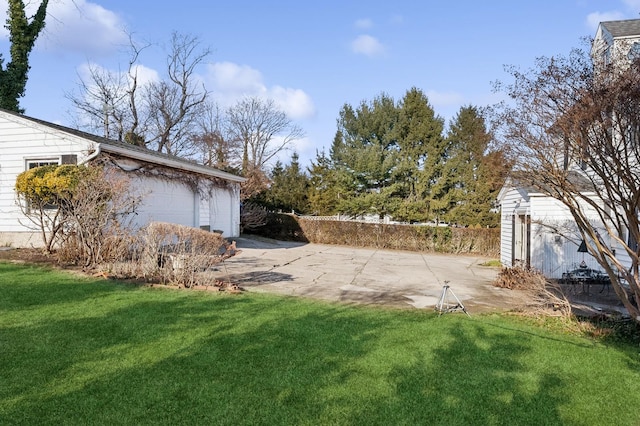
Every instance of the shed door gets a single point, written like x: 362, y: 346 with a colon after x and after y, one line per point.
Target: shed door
x: 521, y: 231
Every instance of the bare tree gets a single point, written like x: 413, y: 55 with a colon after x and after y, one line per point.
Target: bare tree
x: 174, y: 105
x: 102, y: 103
x: 262, y: 129
x: 215, y: 147
x: 88, y: 208
x: 107, y: 102
x: 99, y: 217
x: 158, y: 114
x: 573, y: 130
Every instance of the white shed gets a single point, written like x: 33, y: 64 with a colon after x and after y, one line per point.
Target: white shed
x: 27, y: 142
x: 538, y: 231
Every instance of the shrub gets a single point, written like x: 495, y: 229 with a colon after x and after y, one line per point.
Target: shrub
x: 81, y: 210
x: 176, y: 253
x: 540, y: 295
x: 44, y: 194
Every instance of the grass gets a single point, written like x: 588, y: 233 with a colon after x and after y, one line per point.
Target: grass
x: 86, y: 351
x: 492, y: 263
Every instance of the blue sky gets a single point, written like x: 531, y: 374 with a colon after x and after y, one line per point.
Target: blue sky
x: 313, y: 57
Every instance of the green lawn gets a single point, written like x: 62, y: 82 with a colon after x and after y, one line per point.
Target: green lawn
x: 81, y: 351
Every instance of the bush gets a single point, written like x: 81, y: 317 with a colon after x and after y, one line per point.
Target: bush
x: 540, y: 294
x: 284, y: 227
x: 44, y: 195
x: 80, y: 210
x: 176, y: 253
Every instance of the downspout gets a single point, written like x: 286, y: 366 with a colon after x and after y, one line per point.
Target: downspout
x: 92, y: 156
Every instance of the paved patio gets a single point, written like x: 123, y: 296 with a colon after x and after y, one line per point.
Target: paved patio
x: 369, y: 276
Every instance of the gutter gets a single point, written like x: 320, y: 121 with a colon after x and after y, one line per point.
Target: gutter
x: 92, y: 156
x: 172, y: 163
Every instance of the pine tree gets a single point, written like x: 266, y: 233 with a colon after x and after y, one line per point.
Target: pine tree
x: 363, y: 154
x: 289, y: 187
x: 420, y: 153
x: 472, y: 173
x: 324, y: 192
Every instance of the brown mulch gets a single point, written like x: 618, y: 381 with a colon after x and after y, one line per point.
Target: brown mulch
x: 27, y: 255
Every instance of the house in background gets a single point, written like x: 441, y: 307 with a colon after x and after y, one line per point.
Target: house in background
x: 212, y: 204
x: 616, y: 42
x: 537, y: 230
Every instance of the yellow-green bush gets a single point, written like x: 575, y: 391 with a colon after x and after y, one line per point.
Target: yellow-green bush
x: 49, y: 184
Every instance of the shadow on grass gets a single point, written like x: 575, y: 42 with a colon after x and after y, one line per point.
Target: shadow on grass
x: 162, y: 357
x: 474, y: 379
x: 29, y: 285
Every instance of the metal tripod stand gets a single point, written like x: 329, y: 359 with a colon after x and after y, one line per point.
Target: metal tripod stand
x: 446, y: 305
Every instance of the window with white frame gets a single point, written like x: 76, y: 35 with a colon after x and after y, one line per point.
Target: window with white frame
x: 33, y: 163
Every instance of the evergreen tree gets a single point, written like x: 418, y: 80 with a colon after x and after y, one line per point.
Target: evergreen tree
x: 363, y: 154
x: 420, y: 152
x: 22, y: 36
x: 387, y: 156
x: 472, y: 173
x: 324, y: 192
x: 289, y: 187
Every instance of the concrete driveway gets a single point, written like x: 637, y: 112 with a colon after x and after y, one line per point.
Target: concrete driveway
x: 369, y: 276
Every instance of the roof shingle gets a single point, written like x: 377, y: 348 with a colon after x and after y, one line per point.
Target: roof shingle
x: 626, y: 28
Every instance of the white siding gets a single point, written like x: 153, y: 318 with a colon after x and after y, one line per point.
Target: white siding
x: 21, y: 140
x: 554, y: 237
x: 204, y: 212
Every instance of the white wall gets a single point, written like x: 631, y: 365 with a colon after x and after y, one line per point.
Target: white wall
x: 224, y: 211
x: 555, y: 238
x: 165, y: 201
x: 22, y: 140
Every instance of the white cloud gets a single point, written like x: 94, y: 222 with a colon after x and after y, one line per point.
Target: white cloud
x: 593, y: 19
x: 233, y: 80
x: 82, y: 27
x: 87, y: 70
x: 294, y: 102
x: 631, y: 8
x: 230, y: 82
x: 76, y: 26
x: 367, y: 45
x: 145, y: 75
x: 364, y: 23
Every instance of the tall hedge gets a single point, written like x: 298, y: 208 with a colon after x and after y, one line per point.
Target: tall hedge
x: 484, y: 241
